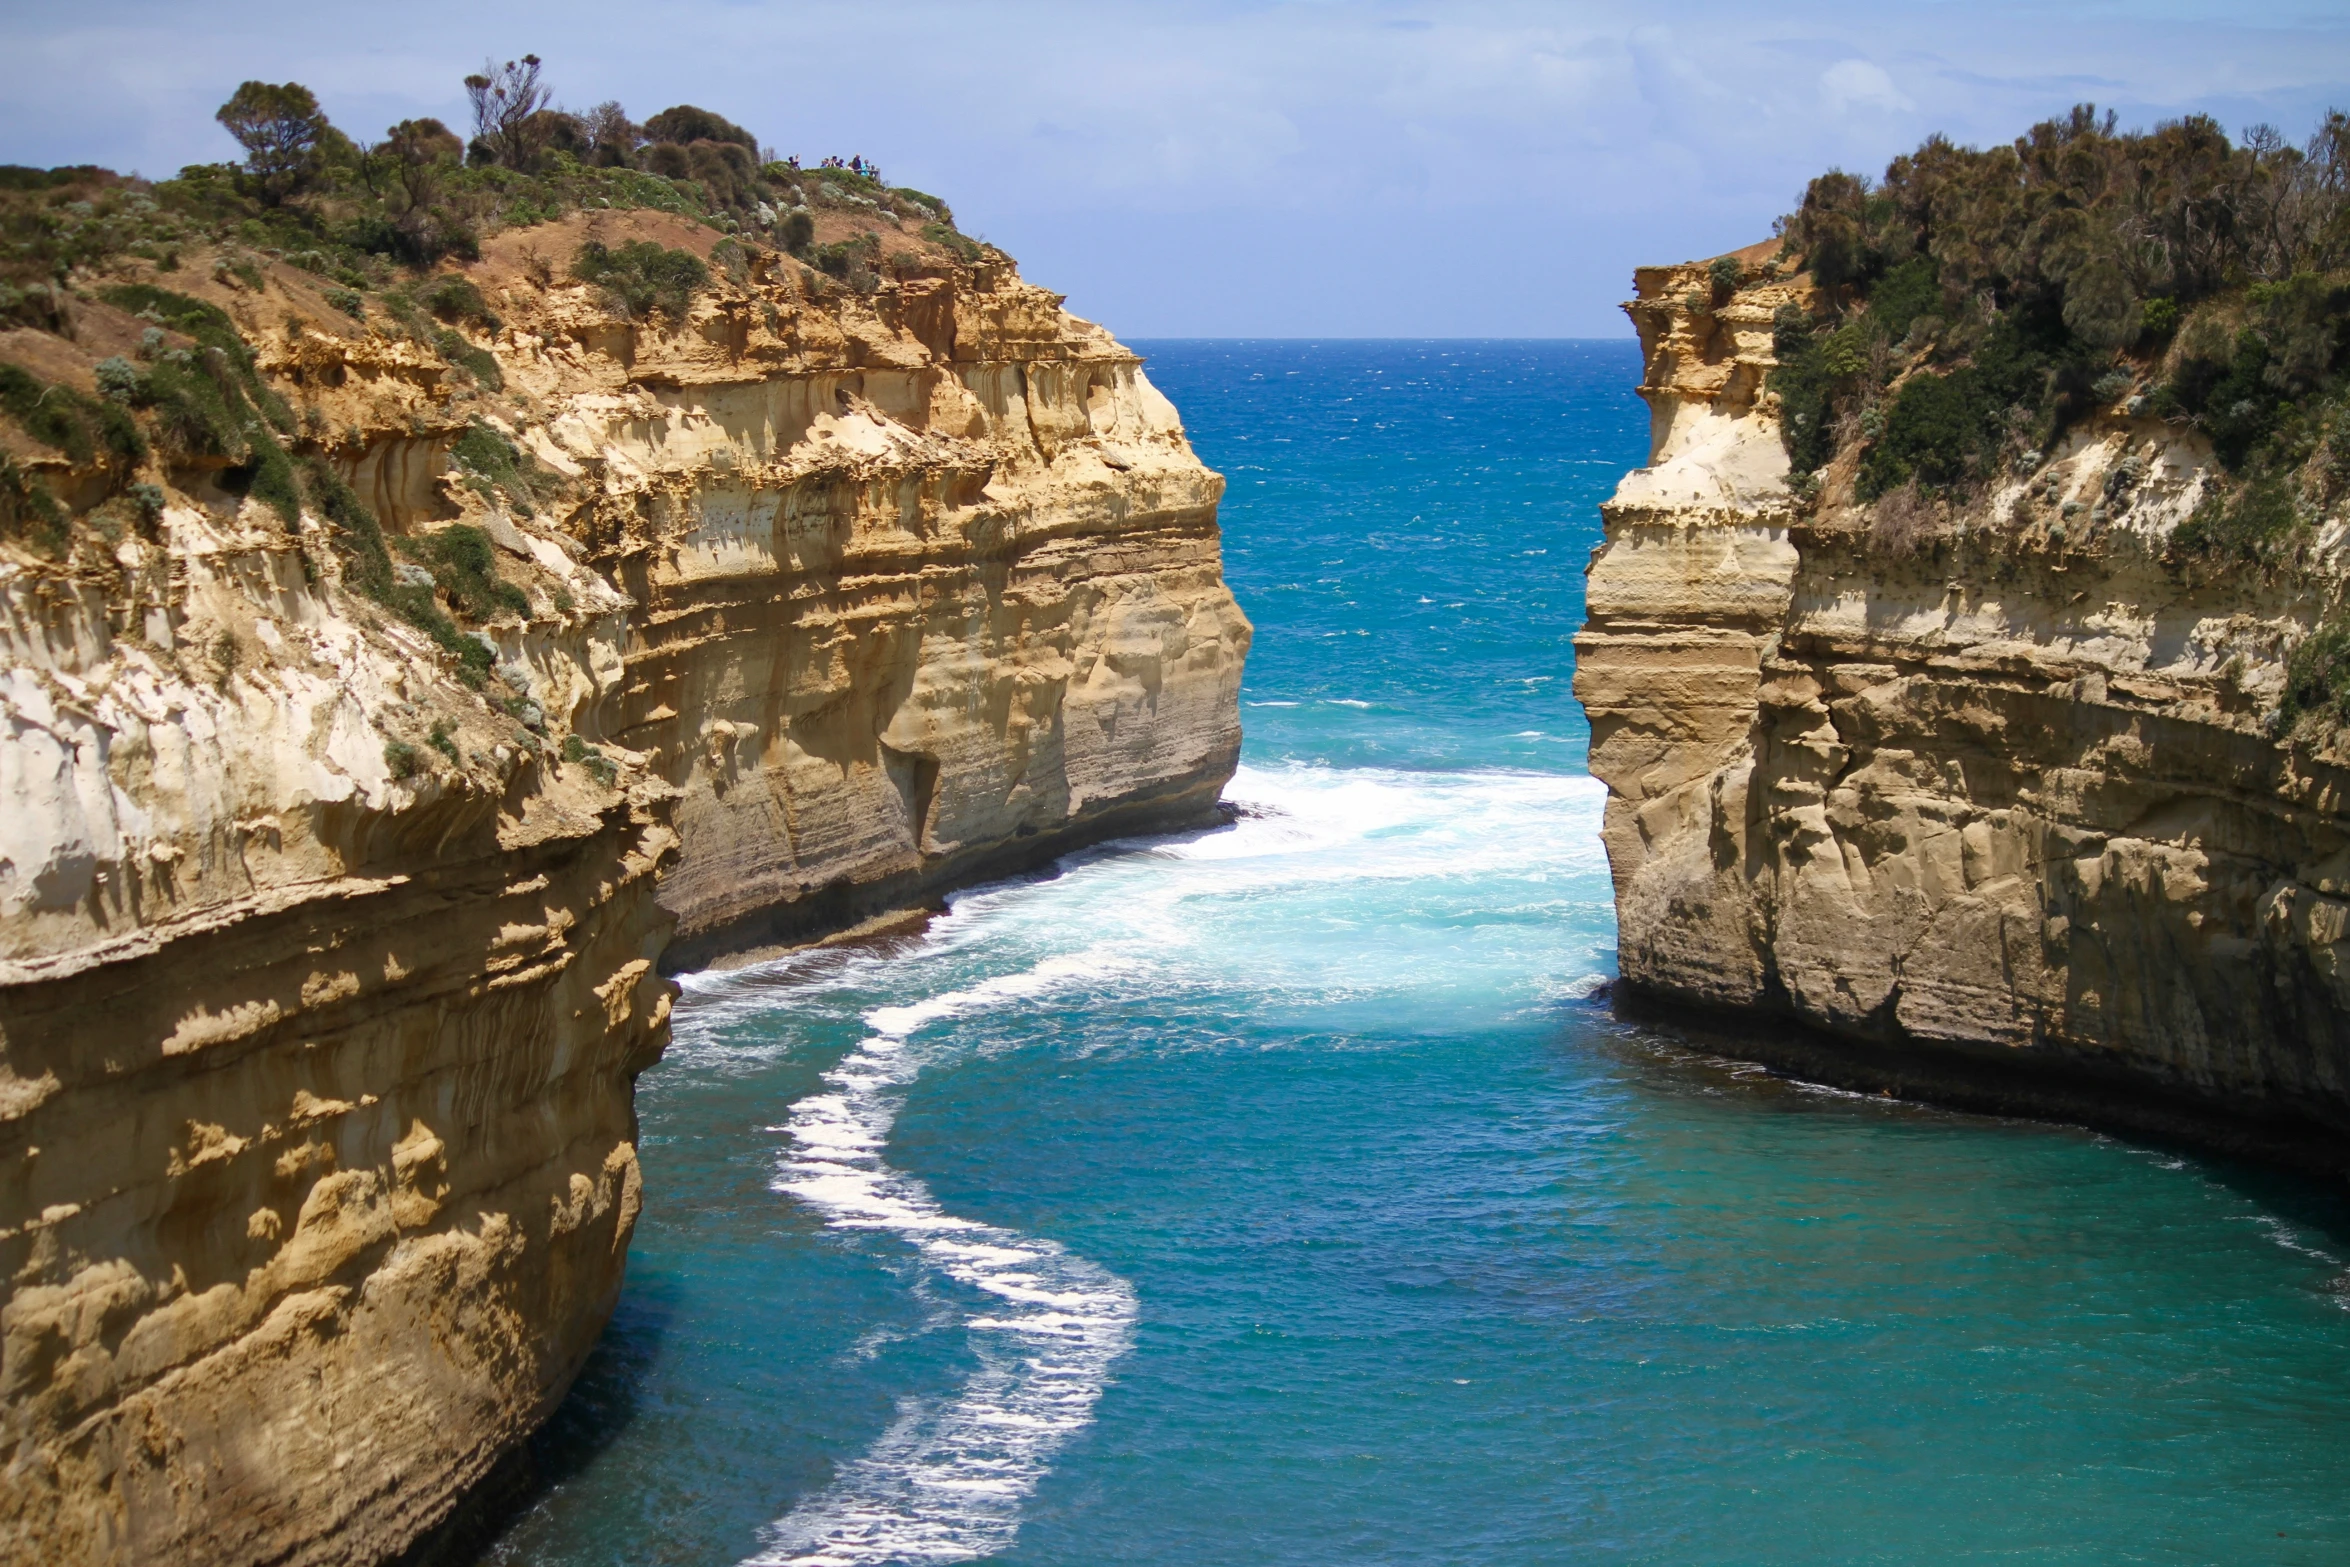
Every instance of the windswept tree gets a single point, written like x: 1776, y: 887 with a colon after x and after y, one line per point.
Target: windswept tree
x: 686, y: 123
x: 280, y: 128
x: 506, y: 100
x: 419, y: 153
x: 613, y: 137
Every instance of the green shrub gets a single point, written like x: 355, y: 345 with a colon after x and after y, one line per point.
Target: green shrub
x: 464, y: 565
x: 641, y: 277
x: 850, y: 260
x: 2253, y: 524
x: 1901, y: 296
x: 453, y: 297
x: 685, y: 123
x: 495, y: 466
x: 931, y: 205
x: 28, y: 511
x: 601, y: 767
x: 2232, y: 397
x: 356, y: 531
x: 269, y: 479
x: 2317, y: 676
x: 414, y: 604
x: 211, y: 327
x: 147, y: 499
x: 479, y: 363
x: 959, y: 245
x: 404, y: 760
x: 85, y: 429
x: 441, y: 740
x: 118, y: 379
x: 349, y: 302
x: 1809, y: 381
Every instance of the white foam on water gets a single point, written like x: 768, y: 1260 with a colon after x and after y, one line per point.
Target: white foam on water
x: 1146, y: 918
x: 946, y: 1482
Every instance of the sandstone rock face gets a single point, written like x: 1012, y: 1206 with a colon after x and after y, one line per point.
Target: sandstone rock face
x: 325, y: 975
x: 1993, y: 801
x: 315, y: 1112
x: 927, y: 585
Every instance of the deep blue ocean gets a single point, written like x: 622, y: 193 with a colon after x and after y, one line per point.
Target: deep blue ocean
x: 1282, y: 1195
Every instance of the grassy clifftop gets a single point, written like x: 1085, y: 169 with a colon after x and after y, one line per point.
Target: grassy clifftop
x: 1977, y: 309
x: 130, y: 310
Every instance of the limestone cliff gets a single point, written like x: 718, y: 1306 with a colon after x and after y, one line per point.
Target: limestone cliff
x: 333, y: 908
x: 1991, y: 798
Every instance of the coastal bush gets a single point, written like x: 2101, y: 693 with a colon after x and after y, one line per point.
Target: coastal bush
x: 929, y: 206
x: 454, y: 297
x: 281, y: 130
x: 357, y: 534
x: 2317, y: 676
x: 479, y: 363
x: 850, y: 260
x: 85, y: 429
x: 2035, y: 276
x: 464, y: 565
x: 642, y: 277
x: 28, y: 512
x: 581, y: 754
x: 495, y: 468
x: 685, y: 123
x: 506, y: 101
x: 2250, y: 525
x: 959, y: 245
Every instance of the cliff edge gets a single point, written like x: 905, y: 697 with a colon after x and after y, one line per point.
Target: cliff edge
x: 1983, y: 728
x: 405, y: 663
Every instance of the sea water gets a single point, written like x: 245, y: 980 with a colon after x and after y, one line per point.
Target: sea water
x: 1285, y: 1193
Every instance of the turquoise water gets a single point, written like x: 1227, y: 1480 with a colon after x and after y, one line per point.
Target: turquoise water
x: 1282, y: 1195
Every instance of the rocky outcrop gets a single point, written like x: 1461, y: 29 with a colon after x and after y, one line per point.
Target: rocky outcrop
x: 928, y: 586
x: 328, y: 957
x: 1993, y: 802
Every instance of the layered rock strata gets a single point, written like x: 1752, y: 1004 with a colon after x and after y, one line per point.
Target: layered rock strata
x: 325, y: 975
x: 1994, y: 802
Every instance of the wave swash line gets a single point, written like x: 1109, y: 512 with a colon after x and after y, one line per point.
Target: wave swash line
x: 946, y: 1482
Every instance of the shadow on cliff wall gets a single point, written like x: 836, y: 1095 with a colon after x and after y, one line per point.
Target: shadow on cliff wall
x: 604, y: 1400
x: 1771, y: 1065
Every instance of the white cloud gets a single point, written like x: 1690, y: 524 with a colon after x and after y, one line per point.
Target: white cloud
x: 1856, y: 84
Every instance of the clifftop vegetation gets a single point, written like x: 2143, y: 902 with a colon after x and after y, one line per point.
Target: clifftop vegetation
x: 1974, y: 305
x: 141, y: 361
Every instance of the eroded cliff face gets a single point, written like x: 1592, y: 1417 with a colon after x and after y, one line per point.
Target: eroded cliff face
x: 927, y: 585
x: 1995, y: 799
x: 326, y: 970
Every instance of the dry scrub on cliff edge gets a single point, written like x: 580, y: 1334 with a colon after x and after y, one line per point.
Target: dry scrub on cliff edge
x: 134, y: 314
x: 371, y: 225
x: 1979, y: 303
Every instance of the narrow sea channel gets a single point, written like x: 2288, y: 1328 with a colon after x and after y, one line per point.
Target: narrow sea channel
x: 1280, y: 1195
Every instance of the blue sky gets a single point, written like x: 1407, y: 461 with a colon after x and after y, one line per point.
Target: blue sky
x: 1300, y: 168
